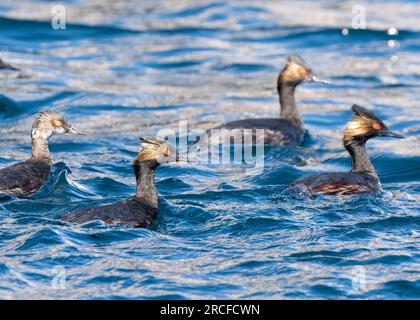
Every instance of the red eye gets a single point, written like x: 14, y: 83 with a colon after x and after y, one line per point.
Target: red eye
x: 304, y: 73
x: 166, y: 152
x: 376, y: 126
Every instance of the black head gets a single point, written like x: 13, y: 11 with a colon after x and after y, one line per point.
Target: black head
x: 364, y: 125
x: 297, y: 71
x: 156, y: 152
x: 49, y: 123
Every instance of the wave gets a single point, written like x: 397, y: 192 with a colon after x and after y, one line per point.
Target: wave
x: 9, y: 108
x: 42, y: 30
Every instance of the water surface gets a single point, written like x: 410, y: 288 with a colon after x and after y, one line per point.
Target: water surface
x: 124, y: 69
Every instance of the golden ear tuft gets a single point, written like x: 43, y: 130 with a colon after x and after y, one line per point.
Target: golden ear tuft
x: 360, y: 125
x: 293, y: 72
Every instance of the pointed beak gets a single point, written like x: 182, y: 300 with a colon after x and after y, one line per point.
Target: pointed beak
x: 73, y: 130
x: 314, y: 78
x: 389, y: 133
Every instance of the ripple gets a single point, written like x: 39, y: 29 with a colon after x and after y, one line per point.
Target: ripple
x: 8, y: 107
x: 42, y: 30
x: 46, y: 237
x: 405, y: 289
x: 119, y: 72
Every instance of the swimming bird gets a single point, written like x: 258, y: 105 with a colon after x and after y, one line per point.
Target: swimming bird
x: 362, y: 178
x: 139, y: 210
x: 288, y: 129
x: 27, y: 177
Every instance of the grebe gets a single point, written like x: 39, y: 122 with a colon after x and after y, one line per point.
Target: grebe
x: 288, y: 129
x: 139, y: 210
x: 27, y: 177
x: 363, y: 126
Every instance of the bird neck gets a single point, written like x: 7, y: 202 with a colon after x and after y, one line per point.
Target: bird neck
x: 40, y: 148
x: 288, y: 109
x: 359, y: 156
x: 145, y: 179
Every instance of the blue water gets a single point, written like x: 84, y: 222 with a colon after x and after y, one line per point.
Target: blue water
x: 123, y: 70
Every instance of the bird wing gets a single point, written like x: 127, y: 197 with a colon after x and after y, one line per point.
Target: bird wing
x: 340, y: 188
x: 339, y: 183
x: 127, y: 211
x: 23, y: 178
